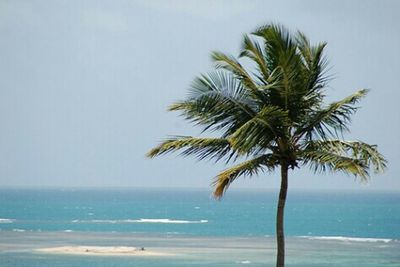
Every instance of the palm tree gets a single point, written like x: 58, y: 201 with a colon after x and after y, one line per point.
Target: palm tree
x: 272, y: 117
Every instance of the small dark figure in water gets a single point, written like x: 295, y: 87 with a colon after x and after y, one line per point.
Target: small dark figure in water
x: 142, y: 249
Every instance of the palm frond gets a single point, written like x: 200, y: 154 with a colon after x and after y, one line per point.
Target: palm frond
x: 217, y: 101
x: 231, y: 64
x: 314, y: 61
x: 279, y: 45
x: 282, y: 57
x: 315, y: 69
x: 249, y: 168
x: 350, y: 157
x: 261, y: 130
x: 252, y: 50
x: 201, y: 148
x: 332, y: 120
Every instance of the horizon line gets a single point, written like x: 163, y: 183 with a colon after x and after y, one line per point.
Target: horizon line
x: 158, y: 188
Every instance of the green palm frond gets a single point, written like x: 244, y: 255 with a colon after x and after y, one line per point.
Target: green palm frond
x: 247, y: 168
x: 202, y: 148
x: 217, y: 101
x: 332, y: 120
x: 314, y: 69
x: 283, y: 59
x: 229, y: 63
x: 252, y: 50
x: 279, y: 46
x: 354, y: 157
x: 321, y: 161
x: 261, y: 130
x: 356, y: 149
x: 314, y: 61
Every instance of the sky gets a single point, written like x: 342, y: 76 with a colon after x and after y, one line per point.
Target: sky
x: 85, y: 85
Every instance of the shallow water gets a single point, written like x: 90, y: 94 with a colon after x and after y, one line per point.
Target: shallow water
x: 18, y: 249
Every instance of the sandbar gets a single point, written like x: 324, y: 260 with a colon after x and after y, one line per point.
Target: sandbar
x: 102, y: 251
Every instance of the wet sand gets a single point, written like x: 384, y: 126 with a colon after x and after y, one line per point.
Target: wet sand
x: 102, y: 251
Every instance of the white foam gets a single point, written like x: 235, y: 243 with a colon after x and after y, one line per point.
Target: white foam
x: 173, y: 233
x: 68, y: 231
x: 102, y: 221
x: 166, y: 221
x: 18, y: 230
x: 244, y: 262
x: 6, y: 220
x: 348, y: 239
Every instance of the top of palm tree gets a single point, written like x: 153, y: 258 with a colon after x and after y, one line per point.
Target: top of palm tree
x: 273, y: 114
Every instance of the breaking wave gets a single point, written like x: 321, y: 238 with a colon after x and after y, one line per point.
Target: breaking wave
x: 6, y: 220
x: 166, y: 221
x: 348, y: 239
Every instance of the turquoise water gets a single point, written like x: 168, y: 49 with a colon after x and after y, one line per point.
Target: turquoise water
x: 323, y: 229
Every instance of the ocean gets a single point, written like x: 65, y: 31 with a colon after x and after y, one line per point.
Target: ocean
x: 326, y: 229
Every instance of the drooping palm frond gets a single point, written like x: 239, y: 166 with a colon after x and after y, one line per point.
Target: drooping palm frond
x: 320, y: 161
x: 249, y: 168
x: 201, y: 148
x: 357, y: 149
x: 332, y: 120
x: 354, y: 157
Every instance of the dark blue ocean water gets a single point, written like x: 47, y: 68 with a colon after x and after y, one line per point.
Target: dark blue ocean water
x: 323, y: 229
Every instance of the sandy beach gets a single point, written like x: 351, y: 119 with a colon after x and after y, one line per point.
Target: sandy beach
x: 102, y: 251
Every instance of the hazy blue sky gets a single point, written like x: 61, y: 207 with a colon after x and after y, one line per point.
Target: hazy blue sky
x: 85, y: 85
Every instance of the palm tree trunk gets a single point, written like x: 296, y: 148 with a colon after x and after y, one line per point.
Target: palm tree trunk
x: 280, y: 237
